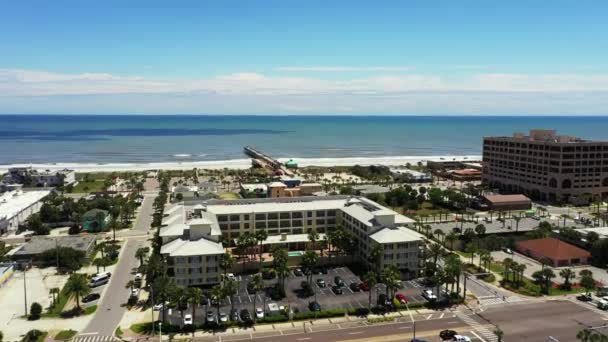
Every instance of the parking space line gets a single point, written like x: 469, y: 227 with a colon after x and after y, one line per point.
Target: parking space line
x: 429, y: 317
x: 442, y: 314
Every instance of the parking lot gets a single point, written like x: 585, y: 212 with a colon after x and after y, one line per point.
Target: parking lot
x: 295, y: 298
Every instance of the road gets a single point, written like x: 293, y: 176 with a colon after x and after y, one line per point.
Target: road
x: 522, y: 322
x: 111, y: 307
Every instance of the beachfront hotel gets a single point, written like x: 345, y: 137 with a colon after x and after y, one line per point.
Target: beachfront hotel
x: 193, y: 232
x: 546, y: 166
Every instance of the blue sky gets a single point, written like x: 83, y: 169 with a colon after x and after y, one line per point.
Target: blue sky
x: 240, y: 57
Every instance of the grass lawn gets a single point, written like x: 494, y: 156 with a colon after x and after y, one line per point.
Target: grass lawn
x: 90, y: 309
x: 65, y: 335
x: 55, y: 311
x: 92, y: 186
x: 229, y: 196
x: 497, y: 267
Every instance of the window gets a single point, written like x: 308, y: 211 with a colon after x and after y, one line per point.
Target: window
x: 260, y: 216
x: 285, y: 224
x: 296, y: 215
x: 297, y: 223
x: 235, y: 226
x: 260, y: 225
x: 320, y: 213
x: 222, y: 218
x: 246, y: 217
x: 273, y: 224
x: 273, y: 216
x: 234, y: 218
x: 331, y: 213
x: 320, y: 221
x: 309, y: 214
x: 284, y: 216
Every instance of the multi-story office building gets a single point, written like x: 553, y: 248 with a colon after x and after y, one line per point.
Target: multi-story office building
x: 194, y: 230
x: 547, y: 166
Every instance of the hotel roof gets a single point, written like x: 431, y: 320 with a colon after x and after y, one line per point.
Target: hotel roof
x: 395, y: 235
x: 276, y: 205
x: 202, y: 246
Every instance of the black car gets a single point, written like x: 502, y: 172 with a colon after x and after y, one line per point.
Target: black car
x: 250, y: 288
x: 246, y: 316
x: 383, y: 300
x: 354, y: 287
x: 337, y: 290
x: 447, y: 335
x: 234, y: 315
x: 268, y: 274
x: 339, y: 281
x: 584, y: 297
x: 298, y: 272
x: 205, y: 301
x: 320, y: 270
x: 274, y: 293
x: 90, y: 297
x: 314, y: 306
x: 320, y: 282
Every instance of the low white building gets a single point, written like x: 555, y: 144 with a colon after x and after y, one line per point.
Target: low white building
x: 45, y: 178
x: 17, y: 206
x: 413, y: 175
x: 287, y: 221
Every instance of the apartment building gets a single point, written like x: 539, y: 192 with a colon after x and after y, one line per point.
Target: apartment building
x: 547, y: 166
x: 192, y: 257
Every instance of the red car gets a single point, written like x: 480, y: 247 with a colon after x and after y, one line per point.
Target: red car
x: 363, y: 286
x: 401, y: 298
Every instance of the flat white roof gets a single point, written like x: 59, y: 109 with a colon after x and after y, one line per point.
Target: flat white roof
x: 275, y: 206
x: 601, y: 231
x: 14, y: 202
x: 176, y: 229
x: 395, y: 235
x: 275, y: 239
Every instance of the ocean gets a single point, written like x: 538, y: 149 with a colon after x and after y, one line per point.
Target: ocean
x: 188, y: 138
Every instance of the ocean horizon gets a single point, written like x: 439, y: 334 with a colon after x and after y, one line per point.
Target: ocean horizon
x: 139, y: 138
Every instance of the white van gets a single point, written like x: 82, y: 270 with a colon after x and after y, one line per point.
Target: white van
x: 100, y: 279
x: 602, y: 304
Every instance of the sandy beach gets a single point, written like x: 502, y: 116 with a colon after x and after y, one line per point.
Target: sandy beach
x: 237, y: 163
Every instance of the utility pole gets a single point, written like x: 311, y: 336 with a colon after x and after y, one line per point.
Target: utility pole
x: 152, y: 297
x: 25, y: 289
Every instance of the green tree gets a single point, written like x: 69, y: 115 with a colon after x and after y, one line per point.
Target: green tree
x: 450, y: 239
x: 35, y: 311
x: 230, y: 290
x: 77, y: 286
x: 141, y: 253
x: 195, y: 295
x: 587, y: 281
x: 218, y: 295
x: 226, y: 263
x: 309, y: 260
x: 376, y: 253
x: 261, y: 236
x: 163, y: 288
x: 567, y: 274
x: 480, y: 230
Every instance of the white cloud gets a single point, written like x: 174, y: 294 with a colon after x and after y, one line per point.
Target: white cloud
x: 343, y: 68
x: 249, y: 92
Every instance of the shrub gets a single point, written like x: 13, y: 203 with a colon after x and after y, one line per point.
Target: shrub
x: 34, y: 335
x: 35, y: 311
x: 274, y: 319
x: 65, y: 335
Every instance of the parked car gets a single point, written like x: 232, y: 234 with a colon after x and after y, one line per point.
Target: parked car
x: 234, y: 315
x: 187, y: 319
x: 159, y: 306
x: 134, y: 292
x: 259, y: 313
x: 250, y: 288
x: 401, y: 298
x: 138, y: 277
x: 210, y: 317
x: 314, y: 306
x: 298, y: 272
x: 321, y: 282
x: 337, y: 290
x: 447, y: 335
x: 274, y: 293
x: 223, y: 318
x: 320, y: 270
x: 246, y: 316
x: 429, y: 295
x: 461, y: 338
x: 339, y: 281
x: 90, y: 297
x: 205, y: 301
x: 584, y: 297
x: 355, y: 287
x: 363, y: 286
x: 507, y: 250
x: 457, y: 230
x: 383, y: 300
x: 230, y: 276
x: 417, y: 340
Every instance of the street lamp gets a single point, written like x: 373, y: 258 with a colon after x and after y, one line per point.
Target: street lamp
x: 160, y: 331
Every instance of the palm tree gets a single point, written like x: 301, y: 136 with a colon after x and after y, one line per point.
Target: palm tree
x: 261, y: 236
x: 180, y: 298
x: 279, y: 264
x: 130, y: 285
x: 195, y: 295
x: 309, y: 260
x: 313, y: 237
x: 141, y: 253
x: 487, y: 261
x: 517, y: 219
x: 257, y: 283
x: 163, y: 288
x: 480, y: 230
x: 376, y: 253
x: 226, y: 263
x: 98, y: 262
x: 451, y: 238
x: 230, y: 289
x: 435, y: 251
x: 218, y: 294
x: 77, y: 286
x: 439, y: 234
x: 54, y: 292
x: 371, y: 279
x: 567, y: 274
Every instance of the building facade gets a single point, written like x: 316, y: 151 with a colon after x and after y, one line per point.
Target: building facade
x: 287, y: 222
x: 17, y: 206
x: 546, y: 166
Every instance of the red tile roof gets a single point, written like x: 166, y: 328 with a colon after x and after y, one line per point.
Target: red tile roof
x: 553, y: 248
x: 506, y: 198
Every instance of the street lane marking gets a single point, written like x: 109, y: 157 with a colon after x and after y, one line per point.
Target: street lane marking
x: 355, y: 332
x: 476, y: 335
x: 304, y: 339
x: 91, y: 333
x: 401, y: 328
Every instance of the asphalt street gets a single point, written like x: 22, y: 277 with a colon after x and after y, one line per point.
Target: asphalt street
x: 112, y: 307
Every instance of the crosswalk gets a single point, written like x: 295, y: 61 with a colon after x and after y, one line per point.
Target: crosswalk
x: 494, y: 300
x: 94, y: 338
x: 477, y: 327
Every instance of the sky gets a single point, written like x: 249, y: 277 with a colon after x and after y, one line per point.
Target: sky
x: 304, y: 57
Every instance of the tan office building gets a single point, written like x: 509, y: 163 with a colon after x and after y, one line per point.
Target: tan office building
x: 547, y: 166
